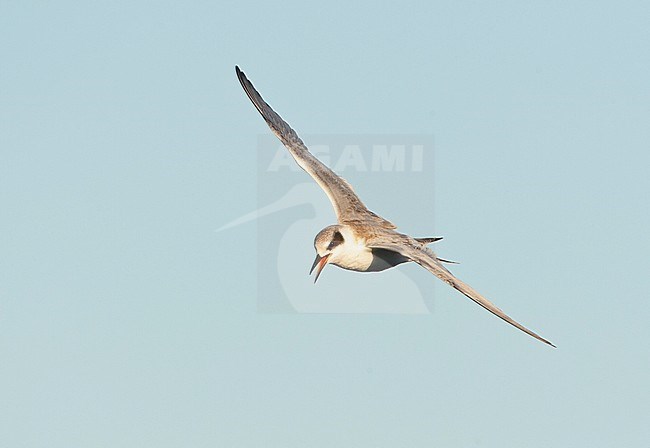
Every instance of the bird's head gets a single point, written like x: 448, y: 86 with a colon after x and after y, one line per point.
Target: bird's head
x: 327, y: 243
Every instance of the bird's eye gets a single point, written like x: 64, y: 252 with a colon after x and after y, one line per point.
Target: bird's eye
x: 336, y: 240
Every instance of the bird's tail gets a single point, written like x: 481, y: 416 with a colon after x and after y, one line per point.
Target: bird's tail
x: 433, y: 239
x: 429, y: 240
x: 442, y: 260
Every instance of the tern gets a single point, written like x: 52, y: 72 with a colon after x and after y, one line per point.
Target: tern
x: 361, y: 240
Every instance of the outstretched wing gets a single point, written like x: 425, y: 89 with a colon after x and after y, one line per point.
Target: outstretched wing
x: 427, y: 259
x: 347, y: 205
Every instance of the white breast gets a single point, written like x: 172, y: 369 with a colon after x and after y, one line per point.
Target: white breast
x: 353, y: 254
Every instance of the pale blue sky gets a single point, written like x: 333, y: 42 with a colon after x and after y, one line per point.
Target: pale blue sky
x: 125, y: 140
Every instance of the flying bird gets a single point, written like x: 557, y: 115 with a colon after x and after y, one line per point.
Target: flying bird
x: 361, y: 240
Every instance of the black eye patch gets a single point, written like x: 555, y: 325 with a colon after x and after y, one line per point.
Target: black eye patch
x: 336, y: 240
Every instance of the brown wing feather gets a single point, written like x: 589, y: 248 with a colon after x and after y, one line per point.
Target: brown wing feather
x: 426, y: 258
x: 347, y: 205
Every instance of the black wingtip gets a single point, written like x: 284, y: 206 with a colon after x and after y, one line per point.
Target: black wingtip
x: 546, y: 341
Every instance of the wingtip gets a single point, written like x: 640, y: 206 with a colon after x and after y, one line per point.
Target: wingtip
x: 546, y: 341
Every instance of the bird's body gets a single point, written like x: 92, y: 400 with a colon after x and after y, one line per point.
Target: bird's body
x: 361, y: 240
x: 356, y: 252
